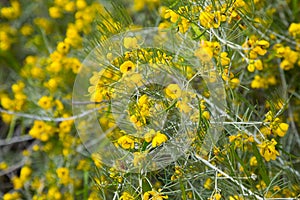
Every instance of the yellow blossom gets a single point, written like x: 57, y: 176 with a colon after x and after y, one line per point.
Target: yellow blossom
x: 281, y: 129
x: 205, y: 54
x: 173, y: 91
x: 63, y: 174
x: 154, y: 195
x: 224, y: 59
x: 63, y: 48
x: 126, y: 142
x: 130, y: 42
x: 208, y: 184
x: 12, y: 196
x: 267, y: 150
x: 149, y: 135
x: 45, y: 102
x: 126, y: 196
x: 3, y: 165
x: 97, y: 160
x: 127, y: 66
x: 25, y: 173
x: 217, y: 196
x: 294, y: 29
x: 253, y: 161
x: 55, y: 12
x: 158, y: 139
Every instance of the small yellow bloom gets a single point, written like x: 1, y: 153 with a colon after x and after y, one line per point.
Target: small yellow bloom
x: 63, y: 48
x: 158, y: 139
x: 149, y: 135
x: 217, y: 196
x: 205, y: 54
x: 126, y: 196
x: 154, y: 195
x: 267, y: 150
x: 224, y: 59
x: 3, y: 165
x: 63, y: 174
x: 173, y: 91
x: 294, y: 29
x: 127, y: 66
x: 253, y: 161
x: 97, y: 159
x: 130, y: 42
x: 11, y: 196
x: 126, y: 142
x: 45, y: 102
x: 26, y: 30
x: 208, y: 184
x: 282, y: 129
x: 55, y: 12
x: 25, y: 173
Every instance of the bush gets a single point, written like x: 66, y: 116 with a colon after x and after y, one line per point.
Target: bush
x: 149, y: 99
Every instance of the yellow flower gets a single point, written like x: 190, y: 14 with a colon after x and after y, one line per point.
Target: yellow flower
x: 127, y: 66
x: 11, y: 12
x: 158, y: 139
x: 294, y: 29
x: 70, y: 6
x: 26, y: 30
x: 97, y: 159
x: 3, y: 165
x: 217, y: 196
x: 126, y: 196
x: 208, y: 184
x: 130, y: 42
x: 55, y: 12
x: 281, y: 129
x: 149, y: 135
x: 206, y: 19
x: 45, y: 102
x: 267, y: 150
x: 205, y: 54
x: 183, y: 107
x: 81, y: 4
x: 63, y: 174
x: 154, y: 195
x: 63, y: 48
x: 25, y: 173
x: 253, y: 161
x: 173, y: 91
x: 17, y: 182
x: 224, y: 59
x: 126, y: 142
x: 11, y: 196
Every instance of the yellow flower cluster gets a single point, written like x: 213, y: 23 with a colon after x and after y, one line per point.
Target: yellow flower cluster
x: 268, y: 150
x: 13, y: 104
x: 19, y: 182
x: 154, y: 195
x: 11, y: 12
x: 42, y: 131
x: 289, y: 57
x: 126, y: 196
x: 276, y: 127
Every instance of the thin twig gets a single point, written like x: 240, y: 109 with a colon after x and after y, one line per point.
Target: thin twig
x: 41, y: 118
x: 207, y: 163
x: 13, y: 167
x: 15, y: 139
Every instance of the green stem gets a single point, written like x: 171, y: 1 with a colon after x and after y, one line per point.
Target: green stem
x: 11, y: 128
x: 86, y: 184
x: 182, y: 189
